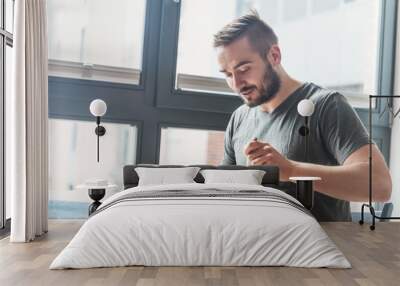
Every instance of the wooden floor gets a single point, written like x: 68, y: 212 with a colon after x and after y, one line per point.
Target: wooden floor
x: 374, y: 255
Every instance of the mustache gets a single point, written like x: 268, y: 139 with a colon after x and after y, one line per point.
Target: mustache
x: 247, y: 88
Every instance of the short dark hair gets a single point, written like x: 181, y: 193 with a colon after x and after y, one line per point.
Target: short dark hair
x: 260, y: 35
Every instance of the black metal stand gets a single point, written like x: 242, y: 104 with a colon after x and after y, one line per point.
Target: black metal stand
x: 96, y: 195
x: 304, y: 131
x: 369, y: 205
x: 305, y: 193
x: 100, y: 131
x: 304, y: 188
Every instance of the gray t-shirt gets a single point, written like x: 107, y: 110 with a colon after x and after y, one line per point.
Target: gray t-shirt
x: 336, y: 131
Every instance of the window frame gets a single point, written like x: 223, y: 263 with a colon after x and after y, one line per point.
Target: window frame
x: 385, y: 76
x: 70, y: 98
x: 167, y: 95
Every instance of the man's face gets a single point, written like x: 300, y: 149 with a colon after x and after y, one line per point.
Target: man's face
x: 252, y: 77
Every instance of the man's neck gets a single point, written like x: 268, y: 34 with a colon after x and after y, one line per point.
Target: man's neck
x: 288, y: 86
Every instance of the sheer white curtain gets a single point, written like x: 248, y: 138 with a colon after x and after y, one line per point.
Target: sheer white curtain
x: 27, y: 117
x: 395, y: 138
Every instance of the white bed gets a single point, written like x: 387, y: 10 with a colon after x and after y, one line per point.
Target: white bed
x: 207, y: 230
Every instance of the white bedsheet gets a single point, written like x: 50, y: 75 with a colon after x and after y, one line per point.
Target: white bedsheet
x: 206, y: 231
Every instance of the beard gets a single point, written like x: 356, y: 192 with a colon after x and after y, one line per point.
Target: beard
x: 270, y: 86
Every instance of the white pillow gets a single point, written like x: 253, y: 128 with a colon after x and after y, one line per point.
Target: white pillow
x: 249, y: 177
x: 163, y: 176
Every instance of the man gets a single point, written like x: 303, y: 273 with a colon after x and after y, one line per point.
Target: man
x: 249, y: 56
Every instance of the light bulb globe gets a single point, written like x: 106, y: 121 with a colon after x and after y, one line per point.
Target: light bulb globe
x: 98, y: 107
x: 305, y: 107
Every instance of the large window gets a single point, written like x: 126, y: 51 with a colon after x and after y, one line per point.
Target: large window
x: 96, y: 39
x: 334, y: 43
x: 72, y: 161
x: 166, y: 47
x: 6, y: 43
x: 8, y: 81
x: 191, y: 146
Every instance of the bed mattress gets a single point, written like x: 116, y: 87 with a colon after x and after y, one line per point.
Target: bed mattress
x: 201, y: 225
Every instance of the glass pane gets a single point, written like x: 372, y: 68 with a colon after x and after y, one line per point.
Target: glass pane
x: 326, y: 5
x: 101, y: 41
x: 73, y: 160
x: 191, y: 146
x: 197, y: 67
x: 315, y: 39
x: 9, y: 15
x: 8, y: 81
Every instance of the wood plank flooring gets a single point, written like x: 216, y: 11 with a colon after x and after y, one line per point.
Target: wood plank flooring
x: 374, y: 255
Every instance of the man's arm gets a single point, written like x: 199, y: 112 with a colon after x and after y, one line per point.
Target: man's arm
x: 350, y: 181
x: 347, y: 182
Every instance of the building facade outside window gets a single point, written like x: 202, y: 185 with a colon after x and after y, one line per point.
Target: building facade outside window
x: 188, y: 146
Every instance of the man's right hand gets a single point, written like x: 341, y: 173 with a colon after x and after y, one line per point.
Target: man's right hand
x: 260, y: 153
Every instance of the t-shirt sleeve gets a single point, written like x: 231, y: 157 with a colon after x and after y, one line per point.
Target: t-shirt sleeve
x: 341, y: 128
x: 229, y: 151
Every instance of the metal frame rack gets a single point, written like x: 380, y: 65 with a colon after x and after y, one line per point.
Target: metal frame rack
x: 369, y: 205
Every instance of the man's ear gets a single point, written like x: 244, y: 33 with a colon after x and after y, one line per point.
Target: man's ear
x: 274, y: 55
